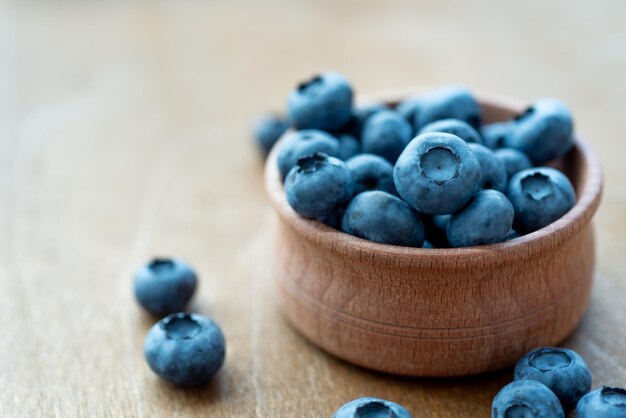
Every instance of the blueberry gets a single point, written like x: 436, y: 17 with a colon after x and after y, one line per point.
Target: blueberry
x: 543, y: 132
x: 266, y: 131
x: 382, y: 217
x: 487, y: 219
x: 492, y: 169
x: 348, y: 146
x: 371, y: 408
x: 371, y: 172
x: 302, y: 143
x: 317, y: 185
x: 410, y: 109
x: 562, y: 370
x: 361, y: 113
x: 323, y: 102
x: 435, y: 227
x: 185, y: 349
x: 455, y: 127
x: 386, y: 133
x: 494, y: 133
x: 437, y: 173
x: 165, y: 285
x: 512, y: 234
x: 513, y: 160
x: 540, y: 196
x: 606, y: 402
x: 451, y: 102
x: 427, y: 244
x: 526, y: 399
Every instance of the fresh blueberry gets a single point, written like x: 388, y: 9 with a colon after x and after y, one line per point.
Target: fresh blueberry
x: 382, y: 217
x: 487, y: 219
x: 165, y: 285
x: 386, y: 133
x: 410, y: 109
x: 512, y: 234
x: 427, y: 244
x: 526, y: 399
x: 492, y: 169
x: 494, y: 133
x: 437, y: 173
x: 513, y: 160
x: 540, y: 196
x: 372, y: 408
x: 455, y: 127
x: 543, y: 132
x: 437, y: 230
x: 323, y: 102
x: 360, y: 114
x: 317, y: 185
x: 371, y: 172
x: 266, y: 131
x: 302, y: 143
x: 450, y: 102
x: 348, y: 146
x: 185, y: 349
x: 334, y: 218
x: 606, y: 402
x: 441, y: 222
x: 562, y: 370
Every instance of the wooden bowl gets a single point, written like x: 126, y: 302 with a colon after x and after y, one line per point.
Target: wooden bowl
x: 438, y: 312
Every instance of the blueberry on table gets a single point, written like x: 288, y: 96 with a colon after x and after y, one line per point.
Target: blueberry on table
x: 543, y: 132
x: 164, y: 285
x: 450, y: 102
x: 302, y: 143
x: 185, y: 349
x: 371, y: 172
x: 514, y: 160
x: 494, y: 134
x: 605, y: 402
x: 486, y: 219
x: 539, y: 196
x: 371, y: 408
x: 492, y: 169
x: 323, y: 102
x: 562, y: 370
x: 384, y: 218
x: 455, y: 127
x: 317, y: 185
x: 437, y: 173
x: 267, y: 129
x: 526, y: 399
x: 348, y: 146
x: 386, y: 133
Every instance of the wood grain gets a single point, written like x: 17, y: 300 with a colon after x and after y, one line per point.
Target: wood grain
x: 124, y: 134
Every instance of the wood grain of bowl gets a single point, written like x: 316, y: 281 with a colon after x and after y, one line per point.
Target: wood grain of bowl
x: 438, y: 312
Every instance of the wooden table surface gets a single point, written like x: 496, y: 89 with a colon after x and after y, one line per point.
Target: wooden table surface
x: 124, y: 134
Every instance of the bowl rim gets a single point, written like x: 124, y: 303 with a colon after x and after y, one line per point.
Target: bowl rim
x: 588, y: 199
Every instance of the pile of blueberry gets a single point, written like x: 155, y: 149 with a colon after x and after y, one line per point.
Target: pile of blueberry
x: 548, y: 383
x: 426, y: 173
x: 183, y: 348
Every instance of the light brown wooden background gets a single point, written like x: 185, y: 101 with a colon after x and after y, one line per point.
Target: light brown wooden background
x: 124, y: 134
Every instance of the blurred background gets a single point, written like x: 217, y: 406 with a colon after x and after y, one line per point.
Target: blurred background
x: 125, y: 132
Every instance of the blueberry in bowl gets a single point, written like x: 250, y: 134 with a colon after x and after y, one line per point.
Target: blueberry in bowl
x: 419, y: 311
